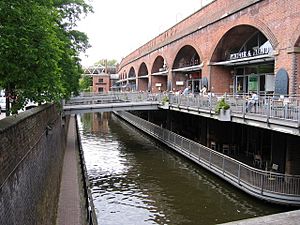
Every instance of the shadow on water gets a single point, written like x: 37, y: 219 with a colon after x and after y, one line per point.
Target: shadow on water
x: 136, y: 180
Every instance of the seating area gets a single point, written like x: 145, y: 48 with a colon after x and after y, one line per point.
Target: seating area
x: 270, y: 106
x: 252, y: 159
x: 228, y: 149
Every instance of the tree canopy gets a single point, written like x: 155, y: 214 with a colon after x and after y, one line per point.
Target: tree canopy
x: 110, y: 62
x: 39, y: 49
x: 85, y: 83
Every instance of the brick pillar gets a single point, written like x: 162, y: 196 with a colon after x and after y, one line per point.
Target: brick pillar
x: 293, y: 82
x: 137, y: 83
x: 170, y: 80
x: 150, y: 83
x: 296, y: 71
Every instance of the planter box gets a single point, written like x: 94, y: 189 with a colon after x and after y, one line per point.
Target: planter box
x: 165, y: 106
x: 224, y: 115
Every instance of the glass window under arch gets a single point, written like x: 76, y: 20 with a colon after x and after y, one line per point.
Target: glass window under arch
x: 258, y: 78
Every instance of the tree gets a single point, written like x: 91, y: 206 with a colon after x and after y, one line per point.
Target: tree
x: 39, y: 49
x: 85, y: 83
x: 102, y: 62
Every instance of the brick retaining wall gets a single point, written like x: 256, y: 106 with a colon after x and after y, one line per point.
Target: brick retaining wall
x: 31, y: 154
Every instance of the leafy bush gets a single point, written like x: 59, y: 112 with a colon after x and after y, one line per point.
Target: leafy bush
x: 221, y: 104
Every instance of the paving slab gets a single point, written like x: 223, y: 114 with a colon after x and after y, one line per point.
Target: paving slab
x: 69, y: 211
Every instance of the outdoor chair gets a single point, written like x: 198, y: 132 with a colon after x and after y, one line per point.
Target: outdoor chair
x: 225, y: 149
x: 257, y: 161
x: 274, y: 168
x: 213, y: 145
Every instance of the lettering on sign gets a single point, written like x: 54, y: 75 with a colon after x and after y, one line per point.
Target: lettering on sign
x: 250, y: 53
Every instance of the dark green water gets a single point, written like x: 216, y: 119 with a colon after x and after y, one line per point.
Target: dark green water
x: 136, y: 180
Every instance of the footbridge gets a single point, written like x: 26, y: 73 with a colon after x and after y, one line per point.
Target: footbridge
x: 92, y: 102
x: 269, y: 112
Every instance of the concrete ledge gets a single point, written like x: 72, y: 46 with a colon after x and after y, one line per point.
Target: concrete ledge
x: 287, y: 218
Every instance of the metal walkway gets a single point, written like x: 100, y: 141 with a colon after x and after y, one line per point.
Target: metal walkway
x: 267, y: 185
x: 273, y: 113
x: 110, y: 102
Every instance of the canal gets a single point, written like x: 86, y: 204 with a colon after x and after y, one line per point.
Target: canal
x: 136, y: 180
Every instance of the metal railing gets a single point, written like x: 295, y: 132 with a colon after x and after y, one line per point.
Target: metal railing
x: 287, y: 108
x: 271, y: 186
x: 269, y: 107
x: 100, y: 98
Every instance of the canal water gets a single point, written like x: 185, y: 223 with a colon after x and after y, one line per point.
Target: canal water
x: 136, y: 180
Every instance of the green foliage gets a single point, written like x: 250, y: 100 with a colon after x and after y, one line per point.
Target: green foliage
x: 111, y: 62
x: 221, y: 104
x: 85, y: 83
x: 165, y: 100
x: 39, y: 50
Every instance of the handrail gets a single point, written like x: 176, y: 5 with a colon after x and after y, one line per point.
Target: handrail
x: 271, y: 186
x: 287, y: 108
x: 277, y: 107
x: 99, y: 98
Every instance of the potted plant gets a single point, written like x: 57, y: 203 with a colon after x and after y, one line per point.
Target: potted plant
x: 223, y: 110
x: 165, y: 101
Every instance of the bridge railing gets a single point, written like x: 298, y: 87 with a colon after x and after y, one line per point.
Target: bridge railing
x: 287, y: 108
x: 100, y: 98
x: 271, y: 186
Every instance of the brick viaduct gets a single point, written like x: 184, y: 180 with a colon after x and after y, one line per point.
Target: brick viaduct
x: 211, y: 31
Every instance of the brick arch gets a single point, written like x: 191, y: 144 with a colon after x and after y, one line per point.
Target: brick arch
x: 154, y: 59
x: 297, y: 43
x: 140, y: 66
x: 295, y: 40
x: 259, y: 25
x: 130, y: 71
x: 182, y: 45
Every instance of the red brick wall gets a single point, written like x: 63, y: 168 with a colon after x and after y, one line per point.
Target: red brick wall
x: 143, y: 84
x: 220, y: 79
x: 201, y: 18
x: 159, y: 79
x: 105, y: 84
x: 278, y: 20
x: 30, y: 163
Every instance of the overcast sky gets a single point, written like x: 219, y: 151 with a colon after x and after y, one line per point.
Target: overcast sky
x: 118, y: 27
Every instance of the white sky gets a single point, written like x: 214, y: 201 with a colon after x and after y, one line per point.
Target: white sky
x: 118, y: 27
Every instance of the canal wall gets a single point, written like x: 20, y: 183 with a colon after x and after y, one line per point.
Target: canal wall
x: 31, y: 154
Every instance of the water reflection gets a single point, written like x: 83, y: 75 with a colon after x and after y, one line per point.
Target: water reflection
x: 135, y: 180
